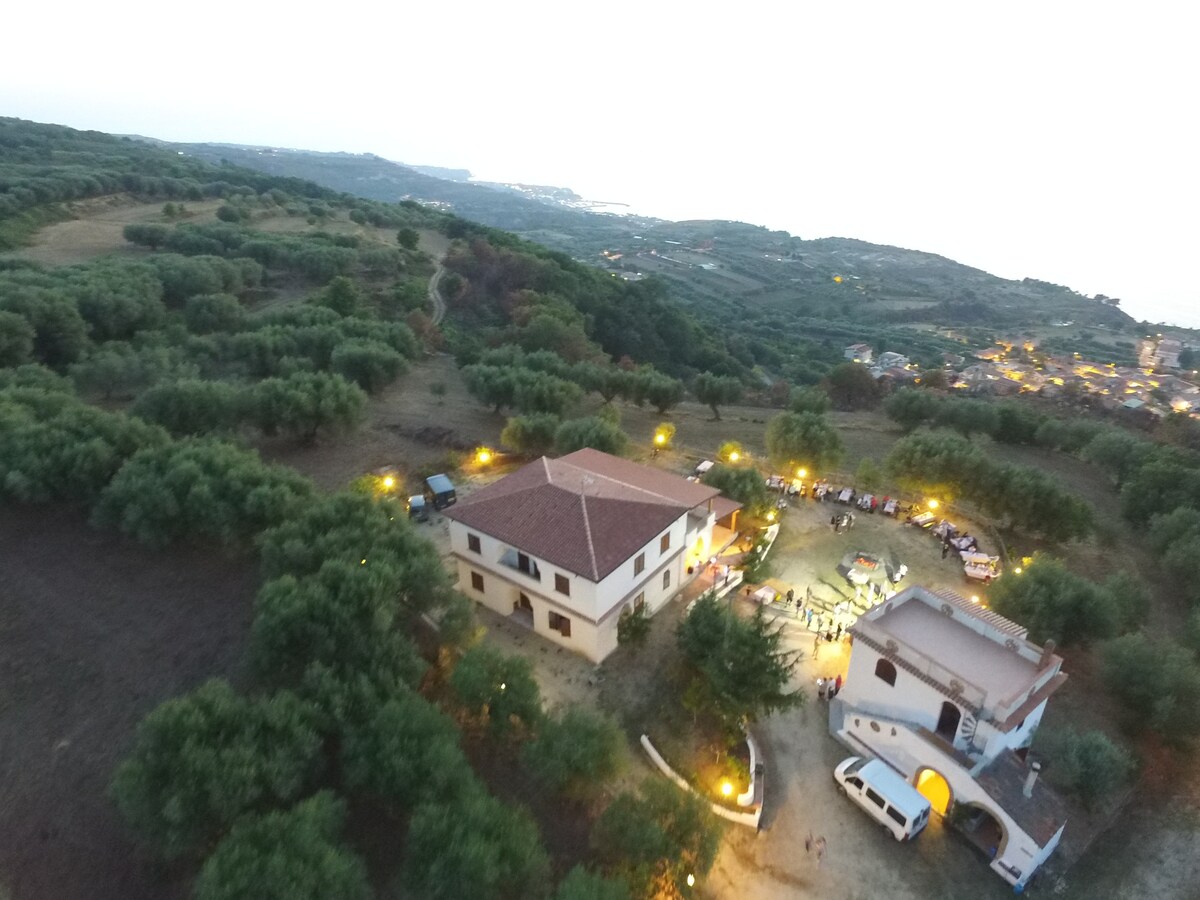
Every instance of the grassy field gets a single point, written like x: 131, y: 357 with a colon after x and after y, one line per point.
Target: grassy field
x: 96, y: 631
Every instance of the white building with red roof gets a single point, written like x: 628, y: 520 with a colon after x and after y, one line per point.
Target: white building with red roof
x: 567, y: 545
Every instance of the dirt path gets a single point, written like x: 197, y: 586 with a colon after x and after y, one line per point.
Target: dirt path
x: 436, y: 245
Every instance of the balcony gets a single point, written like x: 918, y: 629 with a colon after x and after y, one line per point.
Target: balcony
x: 518, y: 561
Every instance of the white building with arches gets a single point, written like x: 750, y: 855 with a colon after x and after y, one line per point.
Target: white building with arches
x: 950, y: 694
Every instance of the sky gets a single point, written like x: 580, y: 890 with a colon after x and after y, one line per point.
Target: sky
x: 1054, y: 140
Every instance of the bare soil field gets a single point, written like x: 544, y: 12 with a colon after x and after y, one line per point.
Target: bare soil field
x: 98, y: 227
x: 94, y: 632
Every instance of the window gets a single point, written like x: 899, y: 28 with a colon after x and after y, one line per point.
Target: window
x: 664, y: 543
x: 473, y: 543
x: 639, y: 564
x: 560, y: 623
x: 477, y: 581
x: 854, y: 783
x: 897, y: 817
x: 886, y: 671
x: 639, y: 601
x: 562, y: 584
x: 666, y: 579
x: 875, y: 798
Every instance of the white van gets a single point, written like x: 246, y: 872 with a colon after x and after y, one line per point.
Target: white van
x: 891, y: 801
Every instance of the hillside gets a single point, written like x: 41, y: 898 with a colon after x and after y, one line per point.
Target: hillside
x: 716, y: 262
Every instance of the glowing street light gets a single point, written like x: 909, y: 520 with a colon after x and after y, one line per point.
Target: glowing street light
x: 389, y: 482
x: 734, y: 456
x: 660, y: 439
x: 483, y: 456
x: 727, y: 788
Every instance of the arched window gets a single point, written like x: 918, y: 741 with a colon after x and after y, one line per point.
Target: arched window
x: 886, y: 671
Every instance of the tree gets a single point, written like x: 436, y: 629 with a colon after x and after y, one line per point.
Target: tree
x: 910, y: 408
x: 716, y: 390
x: 342, y: 296
x: 968, y: 416
x: 594, y: 432
x: 497, y: 689
x: 743, y: 484
x: 59, y: 331
x: 737, y: 669
x: 16, y: 340
x: 407, y: 754
x: 576, y: 752
x: 1158, y: 682
x: 850, y: 386
x: 349, y: 528
x: 210, y: 313
x: 290, y: 855
x: 633, y: 626
x: 475, y: 846
x: 580, y: 884
x: 1086, y: 764
x: 809, y: 400
x: 530, y: 435
x: 55, y: 447
x: 199, y: 488
x: 148, y: 235
x: 408, y: 238
x: 661, y: 391
x: 192, y: 406
x: 1056, y: 604
x: 934, y: 379
x: 803, y: 439
x: 345, y: 618
x: 655, y: 839
x: 1118, y: 452
x: 371, y: 365
x: 304, y: 403
x: 199, y: 761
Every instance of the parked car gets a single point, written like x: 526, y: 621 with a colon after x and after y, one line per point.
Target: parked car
x: 888, y: 799
x: 418, y: 510
x: 439, y: 490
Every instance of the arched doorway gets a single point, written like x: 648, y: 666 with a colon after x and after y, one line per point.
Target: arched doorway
x: 947, y: 726
x: 934, y: 788
x: 983, y: 829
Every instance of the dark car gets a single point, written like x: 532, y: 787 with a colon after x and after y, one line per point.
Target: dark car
x: 440, y: 491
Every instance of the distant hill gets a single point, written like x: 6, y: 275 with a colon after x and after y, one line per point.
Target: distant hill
x: 716, y: 263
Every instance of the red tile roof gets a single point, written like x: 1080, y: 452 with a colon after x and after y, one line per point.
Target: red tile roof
x: 587, y: 512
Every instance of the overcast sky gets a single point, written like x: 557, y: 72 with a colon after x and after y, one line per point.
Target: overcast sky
x: 1048, y: 139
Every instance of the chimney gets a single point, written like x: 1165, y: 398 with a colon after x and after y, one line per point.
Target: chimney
x: 1047, y: 652
x: 1031, y: 778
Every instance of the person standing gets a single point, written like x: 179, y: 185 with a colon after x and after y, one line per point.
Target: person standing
x: 837, y: 685
x: 820, y: 850
x: 816, y: 645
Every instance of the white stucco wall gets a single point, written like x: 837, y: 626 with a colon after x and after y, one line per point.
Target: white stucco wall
x: 909, y: 753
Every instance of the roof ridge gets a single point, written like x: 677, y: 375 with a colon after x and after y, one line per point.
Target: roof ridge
x: 625, y: 484
x: 587, y: 530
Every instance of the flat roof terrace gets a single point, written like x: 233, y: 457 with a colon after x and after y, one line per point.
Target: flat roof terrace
x: 1000, y: 672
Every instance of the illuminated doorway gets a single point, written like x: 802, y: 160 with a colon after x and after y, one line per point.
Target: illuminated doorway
x: 934, y: 788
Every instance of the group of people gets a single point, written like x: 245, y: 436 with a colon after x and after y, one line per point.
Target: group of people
x: 828, y: 688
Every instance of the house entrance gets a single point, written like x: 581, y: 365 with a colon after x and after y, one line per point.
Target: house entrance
x: 947, y: 726
x: 934, y: 788
x: 523, y: 610
x: 983, y: 830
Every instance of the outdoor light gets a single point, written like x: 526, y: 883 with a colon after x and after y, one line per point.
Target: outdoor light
x: 801, y: 473
x: 933, y: 504
x: 771, y: 516
x: 1018, y: 570
x: 974, y: 598
x: 484, y: 456
x: 503, y: 685
x: 691, y: 880
x: 660, y: 438
x: 734, y: 456
x: 727, y: 788
x: 388, y: 482
x: 364, y: 561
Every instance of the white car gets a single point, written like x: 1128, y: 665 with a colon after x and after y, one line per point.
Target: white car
x: 890, y: 800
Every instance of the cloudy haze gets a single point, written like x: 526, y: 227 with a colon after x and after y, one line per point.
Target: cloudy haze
x: 1057, y: 141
